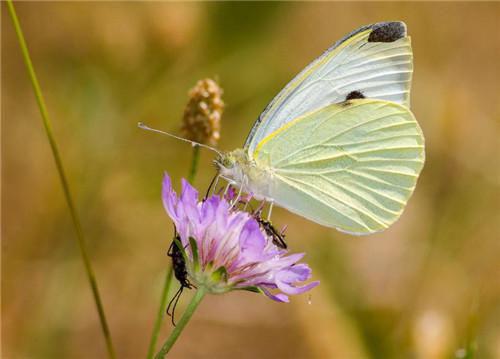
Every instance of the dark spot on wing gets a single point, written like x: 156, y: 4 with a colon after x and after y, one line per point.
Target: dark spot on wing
x: 354, y: 95
x: 387, y: 32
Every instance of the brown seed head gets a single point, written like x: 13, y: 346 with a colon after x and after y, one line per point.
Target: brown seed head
x: 203, y: 112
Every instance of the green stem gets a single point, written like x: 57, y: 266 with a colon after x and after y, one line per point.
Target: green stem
x: 161, y: 312
x: 195, y: 301
x: 472, y: 327
x: 169, y: 277
x: 194, y: 164
x: 60, y: 169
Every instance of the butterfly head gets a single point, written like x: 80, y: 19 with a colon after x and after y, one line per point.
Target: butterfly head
x: 244, y: 172
x: 231, y: 165
x: 225, y: 161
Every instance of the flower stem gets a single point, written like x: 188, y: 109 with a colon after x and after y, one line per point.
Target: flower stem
x: 195, y: 301
x: 168, y: 275
x: 161, y: 312
x: 60, y: 169
x: 194, y: 164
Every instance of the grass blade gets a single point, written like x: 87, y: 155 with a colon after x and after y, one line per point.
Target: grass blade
x: 60, y: 169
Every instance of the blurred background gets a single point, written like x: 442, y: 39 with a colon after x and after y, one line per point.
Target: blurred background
x: 428, y: 287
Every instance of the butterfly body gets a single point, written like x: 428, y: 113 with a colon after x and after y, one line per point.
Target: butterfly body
x: 246, y: 173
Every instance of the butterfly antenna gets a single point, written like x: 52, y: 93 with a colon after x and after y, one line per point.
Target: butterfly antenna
x: 193, y: 143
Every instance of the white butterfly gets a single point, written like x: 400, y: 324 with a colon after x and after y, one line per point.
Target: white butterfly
x: 339, y: 145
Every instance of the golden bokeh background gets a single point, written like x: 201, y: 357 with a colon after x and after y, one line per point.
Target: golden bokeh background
x: 428, y: 287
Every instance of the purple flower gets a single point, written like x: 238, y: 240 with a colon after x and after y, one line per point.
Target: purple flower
x: 225, y: 249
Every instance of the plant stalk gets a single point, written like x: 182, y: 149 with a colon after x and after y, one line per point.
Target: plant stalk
x: 195, y: 301
x: 169, y: 274
x: 62, y: 176
x: 194, y: 164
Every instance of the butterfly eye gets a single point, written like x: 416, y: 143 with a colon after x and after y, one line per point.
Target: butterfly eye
x: 225, y: 161
x: 228, y: 162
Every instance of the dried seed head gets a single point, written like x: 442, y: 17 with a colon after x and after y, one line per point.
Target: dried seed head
x: 203, y: 113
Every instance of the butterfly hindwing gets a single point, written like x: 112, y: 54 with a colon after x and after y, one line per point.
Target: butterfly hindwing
x: 374, y: 61
x: 352, y: 166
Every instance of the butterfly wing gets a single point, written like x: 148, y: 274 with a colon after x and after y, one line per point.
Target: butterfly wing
x: 375, y: 61
x: 352, y: 166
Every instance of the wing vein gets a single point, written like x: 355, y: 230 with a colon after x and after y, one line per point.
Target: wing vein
x: 360, y: 196
x: 290, y: 182
x: 359, y: 211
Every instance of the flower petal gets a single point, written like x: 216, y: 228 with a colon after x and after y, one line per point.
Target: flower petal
x: 189, y: 199
x: 286, y: 279
x: 252, y: 242
x: 277, y: 297
x: 169, y: 197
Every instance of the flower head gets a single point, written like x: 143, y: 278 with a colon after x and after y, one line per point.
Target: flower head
x: 226, y: 249
x: 201, y: 122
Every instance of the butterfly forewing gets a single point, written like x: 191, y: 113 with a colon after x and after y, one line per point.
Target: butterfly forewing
x: 374, y: 61
x: 352, y: 166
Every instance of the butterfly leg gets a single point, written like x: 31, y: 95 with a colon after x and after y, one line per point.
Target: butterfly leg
x: 215, y: 185
x: 235, y: 201
x: 243, y: 185
x: 227, y: 189
x: 271, y: 204
x: 258, y: 210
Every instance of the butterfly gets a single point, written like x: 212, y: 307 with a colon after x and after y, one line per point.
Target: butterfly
x: 339, y: 145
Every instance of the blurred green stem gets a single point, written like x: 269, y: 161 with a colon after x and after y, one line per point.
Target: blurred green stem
x: 472, y: 326
x: 60, y: 169
x: 169, y: 277
x: 194, y: 164
x: 195, y: 301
